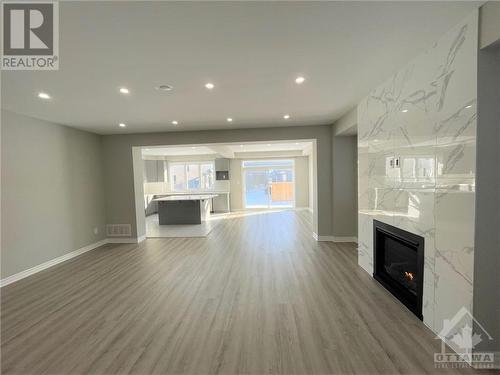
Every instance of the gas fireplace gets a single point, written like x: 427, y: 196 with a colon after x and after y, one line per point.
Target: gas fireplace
x: 399, y: 264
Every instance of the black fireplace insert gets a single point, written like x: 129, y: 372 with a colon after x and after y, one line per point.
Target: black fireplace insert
x: 399, y: 264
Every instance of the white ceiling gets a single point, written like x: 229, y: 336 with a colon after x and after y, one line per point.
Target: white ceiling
x: 251, y: 51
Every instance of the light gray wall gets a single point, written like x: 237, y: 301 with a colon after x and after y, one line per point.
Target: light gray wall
x: 489, y: 25
x: 138, y: 173
x: 52, y: 191
x: 347, y: 124
x: 119, y: 178
x: 301, y: 182
x: 235, y: 184
x: 344, y: 186
x: 487, y: 236
x: 310, y: 170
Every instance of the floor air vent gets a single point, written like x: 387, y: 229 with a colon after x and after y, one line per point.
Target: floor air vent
x: 118, y: 230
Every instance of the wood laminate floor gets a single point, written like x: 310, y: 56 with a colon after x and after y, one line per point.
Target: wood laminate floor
x: 258, y: 295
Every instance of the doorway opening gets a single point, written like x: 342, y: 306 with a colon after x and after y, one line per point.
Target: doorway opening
x: 268, y: 183
x: 244, y: 176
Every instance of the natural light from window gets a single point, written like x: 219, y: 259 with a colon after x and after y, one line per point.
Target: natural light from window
x: 194, y: 176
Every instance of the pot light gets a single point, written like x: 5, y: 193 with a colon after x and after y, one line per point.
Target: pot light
x: 286, y: 117
x: 43, y: 95
x: 404, y: 110
x: 165, y: 87
x: 469, y: 106
x: 229, y: 119
x: 124, y: 90
x: 209, y: 85
x: 175, y: 122
x: 121, y: 125
x: 299, y: 80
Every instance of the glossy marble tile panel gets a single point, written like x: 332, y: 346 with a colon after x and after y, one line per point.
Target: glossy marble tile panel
x: 425, y: 117
x: 454, y: 214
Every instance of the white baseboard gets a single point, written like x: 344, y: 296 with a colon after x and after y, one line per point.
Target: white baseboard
x: 334, y: 238
x: 50, y: 263
x: 65, y: 257
x: 125, y: 239
x: 345, y: 239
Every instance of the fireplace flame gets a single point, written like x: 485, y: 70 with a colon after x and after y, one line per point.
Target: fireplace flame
x: 409, y: 275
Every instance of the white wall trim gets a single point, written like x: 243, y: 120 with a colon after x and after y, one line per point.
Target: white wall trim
x: 345, y: 239
x: 50, y: 263
x: 125, y: 239
x: 326, y: 238
x: 334, y: 238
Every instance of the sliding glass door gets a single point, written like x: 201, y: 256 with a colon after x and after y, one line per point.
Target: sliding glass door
x: 256, y: 188
x: 268, y: 184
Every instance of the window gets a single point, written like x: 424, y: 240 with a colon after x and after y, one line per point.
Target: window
x: 207, y: 175
x: 267, y: 163
x: 192, y: 176
x: 178, y: 177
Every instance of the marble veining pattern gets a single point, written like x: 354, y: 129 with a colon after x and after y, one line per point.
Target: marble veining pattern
x: 426, y: 116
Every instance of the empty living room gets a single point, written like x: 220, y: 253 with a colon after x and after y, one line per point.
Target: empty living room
x: 250, y: 187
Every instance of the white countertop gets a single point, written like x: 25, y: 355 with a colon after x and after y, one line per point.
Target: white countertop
x: 194, y: 192
x: 185, y: 197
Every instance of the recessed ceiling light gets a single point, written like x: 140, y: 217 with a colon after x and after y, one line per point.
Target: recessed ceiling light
x: 193, y: 147
x: 175, y: 122
x: 165, y: 87
x: 469, y: 106
x: 404, y: 110
x: 209, y: 85
x: 124, y: 90
x: 286, y: 117
x: 43, y: 95
x: 121, y: 125
x: 299, y: 80
x: 229, y: 119
x: 296, y: 143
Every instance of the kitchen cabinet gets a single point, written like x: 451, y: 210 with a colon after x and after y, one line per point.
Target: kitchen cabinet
x: 221, y: 164
x: 154, y: 171
x: 221, y: 169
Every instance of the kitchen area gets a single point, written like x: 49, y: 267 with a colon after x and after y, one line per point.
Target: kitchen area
x: 184, y: 189
x: 190, y: 189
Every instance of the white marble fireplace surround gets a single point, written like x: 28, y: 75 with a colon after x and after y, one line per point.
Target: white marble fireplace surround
x: 426, y: 116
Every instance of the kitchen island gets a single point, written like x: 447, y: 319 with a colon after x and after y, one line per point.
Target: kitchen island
x: 184, y: 208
